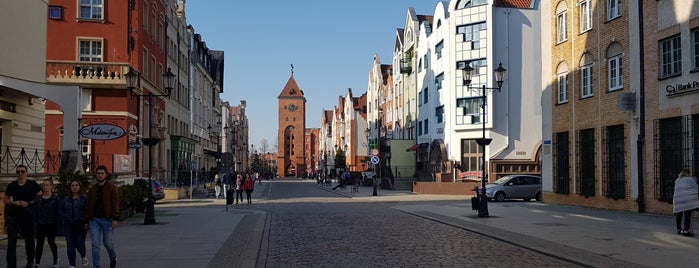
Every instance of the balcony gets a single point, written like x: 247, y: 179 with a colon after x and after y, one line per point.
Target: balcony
x: 94, y: 74
x: 406, y: 65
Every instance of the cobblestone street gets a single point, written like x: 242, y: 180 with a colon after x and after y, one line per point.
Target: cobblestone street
x: 343, y: 232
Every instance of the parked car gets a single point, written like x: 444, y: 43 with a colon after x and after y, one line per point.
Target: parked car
x: 158, y: 191
x: 526, y: 187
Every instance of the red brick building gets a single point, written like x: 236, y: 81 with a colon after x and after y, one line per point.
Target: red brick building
x: 292, y: 126
x: 95, y: 46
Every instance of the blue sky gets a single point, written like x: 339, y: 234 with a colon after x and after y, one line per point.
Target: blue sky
x: 330, y: 43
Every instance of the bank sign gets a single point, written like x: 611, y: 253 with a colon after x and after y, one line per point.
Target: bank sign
x: 678, y: 89
x: 102, y: 132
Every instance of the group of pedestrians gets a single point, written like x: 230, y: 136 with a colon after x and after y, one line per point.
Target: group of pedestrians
x: 36, y: 212
x: 243, y: 183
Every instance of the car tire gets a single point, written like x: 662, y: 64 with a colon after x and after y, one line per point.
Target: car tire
x: 538, y: 196
x: 499, y: 197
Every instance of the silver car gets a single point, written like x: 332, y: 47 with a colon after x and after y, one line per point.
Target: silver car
x: 526, y: 187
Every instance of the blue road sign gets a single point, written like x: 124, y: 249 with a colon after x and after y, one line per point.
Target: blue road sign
x: 374, y: 160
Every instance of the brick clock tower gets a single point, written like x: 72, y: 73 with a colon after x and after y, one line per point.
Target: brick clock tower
x: 292, y: 125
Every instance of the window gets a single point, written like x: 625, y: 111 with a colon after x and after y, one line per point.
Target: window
x: 613, y: 9
x: 145, y: 17
x: 425, y: 97
x: 586, y: 158
x: 439, y: 113
x: 471, y: 33
x: 426, y: 125
x: 670, y: 56
x: 614, y: 68
x: 470, y: 107
x: 563, y: 88
x: 419, y: 128
x: 614, y: 167
x: 586, y: 81
x: 470, y: 3
x: 427, y: 62
x: 438, y: 49
x: 695, y: 49
x: 471, y: 155
x: 90, y: 50
x: 561, y: 165
x: 562, y: 27
x: 144, y: 64
x: 438, y: 81
x: 91, y: 9
x: 585, y: 16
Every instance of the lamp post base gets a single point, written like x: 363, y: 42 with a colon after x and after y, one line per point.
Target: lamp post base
x: 150, y: 212
x: 375, y: 193
x: 483, y: 207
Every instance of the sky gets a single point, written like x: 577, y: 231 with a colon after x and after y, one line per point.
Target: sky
x: 330, y: 43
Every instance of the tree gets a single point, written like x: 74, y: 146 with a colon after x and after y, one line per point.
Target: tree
x: 340, y: 159
x: 258, y: 164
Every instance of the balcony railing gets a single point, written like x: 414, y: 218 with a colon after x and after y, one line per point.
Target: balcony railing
x: 96, y: 73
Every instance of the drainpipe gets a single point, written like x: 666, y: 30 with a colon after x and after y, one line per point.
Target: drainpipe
x: 640, y: 141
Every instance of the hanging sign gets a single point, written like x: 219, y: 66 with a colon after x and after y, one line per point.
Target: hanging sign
x: 102, y: 132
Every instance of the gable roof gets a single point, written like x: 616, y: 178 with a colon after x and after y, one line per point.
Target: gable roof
x: 291, y: 89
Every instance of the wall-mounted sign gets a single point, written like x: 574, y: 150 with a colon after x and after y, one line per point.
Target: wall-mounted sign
x: 102, y: 132
x: 677, y: 89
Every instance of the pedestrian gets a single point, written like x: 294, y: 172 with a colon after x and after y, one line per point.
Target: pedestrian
x: 46, y: 211
x: 217, y: 185
x: 684, y: 201
x: 73, y: 215
x: 248, y: 187
x: 239, y: 189
x: 342, y: 180
x: 102, y: 213
x: 226, y: 184
x: 19, y: 215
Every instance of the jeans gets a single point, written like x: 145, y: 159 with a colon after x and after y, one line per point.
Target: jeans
x: 101, y: 230
x: 238, y: 194
x: 687, y: 220
x: 74, y: 241
x: 15, y: 225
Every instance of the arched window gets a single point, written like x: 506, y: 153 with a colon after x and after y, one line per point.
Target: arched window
x: 615, y: 74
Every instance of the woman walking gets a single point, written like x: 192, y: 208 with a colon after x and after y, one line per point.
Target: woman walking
x: 73, y: 213
x: 47, y: 216
x: 684, y: 201
x: 248, y: 187
x: 239, y: 189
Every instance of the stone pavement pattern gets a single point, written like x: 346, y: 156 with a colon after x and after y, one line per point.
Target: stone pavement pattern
x: 297, y: 224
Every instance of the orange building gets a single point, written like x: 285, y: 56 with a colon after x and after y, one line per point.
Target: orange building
x: 311, y: 144
x: 292, y: 126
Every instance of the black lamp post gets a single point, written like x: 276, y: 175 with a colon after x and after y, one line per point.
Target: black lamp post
x: 483, y: 142
x: 132, y: 78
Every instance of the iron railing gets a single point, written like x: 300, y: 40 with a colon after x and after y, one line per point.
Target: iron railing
x: 36, y: 160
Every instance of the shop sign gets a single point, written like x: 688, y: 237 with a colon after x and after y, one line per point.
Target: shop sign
x: 8, y: 106
x: 678, y: 89
x: 102, y: 132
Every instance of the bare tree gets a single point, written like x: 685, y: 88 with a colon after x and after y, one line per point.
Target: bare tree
x: 265, y: 145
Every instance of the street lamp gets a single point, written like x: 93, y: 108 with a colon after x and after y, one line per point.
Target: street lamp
x: 132, y: 78
x: 483, y: 142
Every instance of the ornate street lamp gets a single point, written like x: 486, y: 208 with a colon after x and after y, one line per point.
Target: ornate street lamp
x: 132, y: 79
x: 483, y: 142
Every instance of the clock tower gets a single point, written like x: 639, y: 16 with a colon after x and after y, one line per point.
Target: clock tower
x: 290, y: 133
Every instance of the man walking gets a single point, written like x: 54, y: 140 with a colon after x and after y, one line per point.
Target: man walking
x: 102, y: 213
x: 19, y: 215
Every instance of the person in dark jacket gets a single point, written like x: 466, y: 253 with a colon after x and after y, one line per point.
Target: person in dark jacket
x: 73, y: 214
x: 19, y: 215
x: 248, y: 187
x: 102, y: 215
x: 46, y: 209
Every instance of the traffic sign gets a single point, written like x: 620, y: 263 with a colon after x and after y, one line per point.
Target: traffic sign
x: 375, y: 151
x: 374, y: 160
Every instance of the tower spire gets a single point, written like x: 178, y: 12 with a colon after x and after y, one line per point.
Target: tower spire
x: 292, y: 69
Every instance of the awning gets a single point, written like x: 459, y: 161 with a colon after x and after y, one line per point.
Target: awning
x: 417, y: 146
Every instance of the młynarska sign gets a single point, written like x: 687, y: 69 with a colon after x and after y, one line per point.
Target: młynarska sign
x: 102, y: 132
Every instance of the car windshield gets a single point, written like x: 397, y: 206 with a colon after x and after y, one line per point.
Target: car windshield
x: 502, y: 180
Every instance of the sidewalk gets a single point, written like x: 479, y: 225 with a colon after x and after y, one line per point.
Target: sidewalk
x: 588, y: 236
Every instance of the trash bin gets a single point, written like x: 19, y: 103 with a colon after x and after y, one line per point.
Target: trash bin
x: 230, y: 194
x: 474, y: 203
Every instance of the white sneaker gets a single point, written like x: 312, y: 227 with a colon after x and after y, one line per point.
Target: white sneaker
x: 55, y: 264
x: 85, y: 261
x: 71, y: 266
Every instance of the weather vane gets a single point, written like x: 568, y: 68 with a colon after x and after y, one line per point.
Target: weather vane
x: 292, y: 69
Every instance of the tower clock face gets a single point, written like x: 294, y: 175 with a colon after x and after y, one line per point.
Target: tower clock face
x: 292, y: 107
